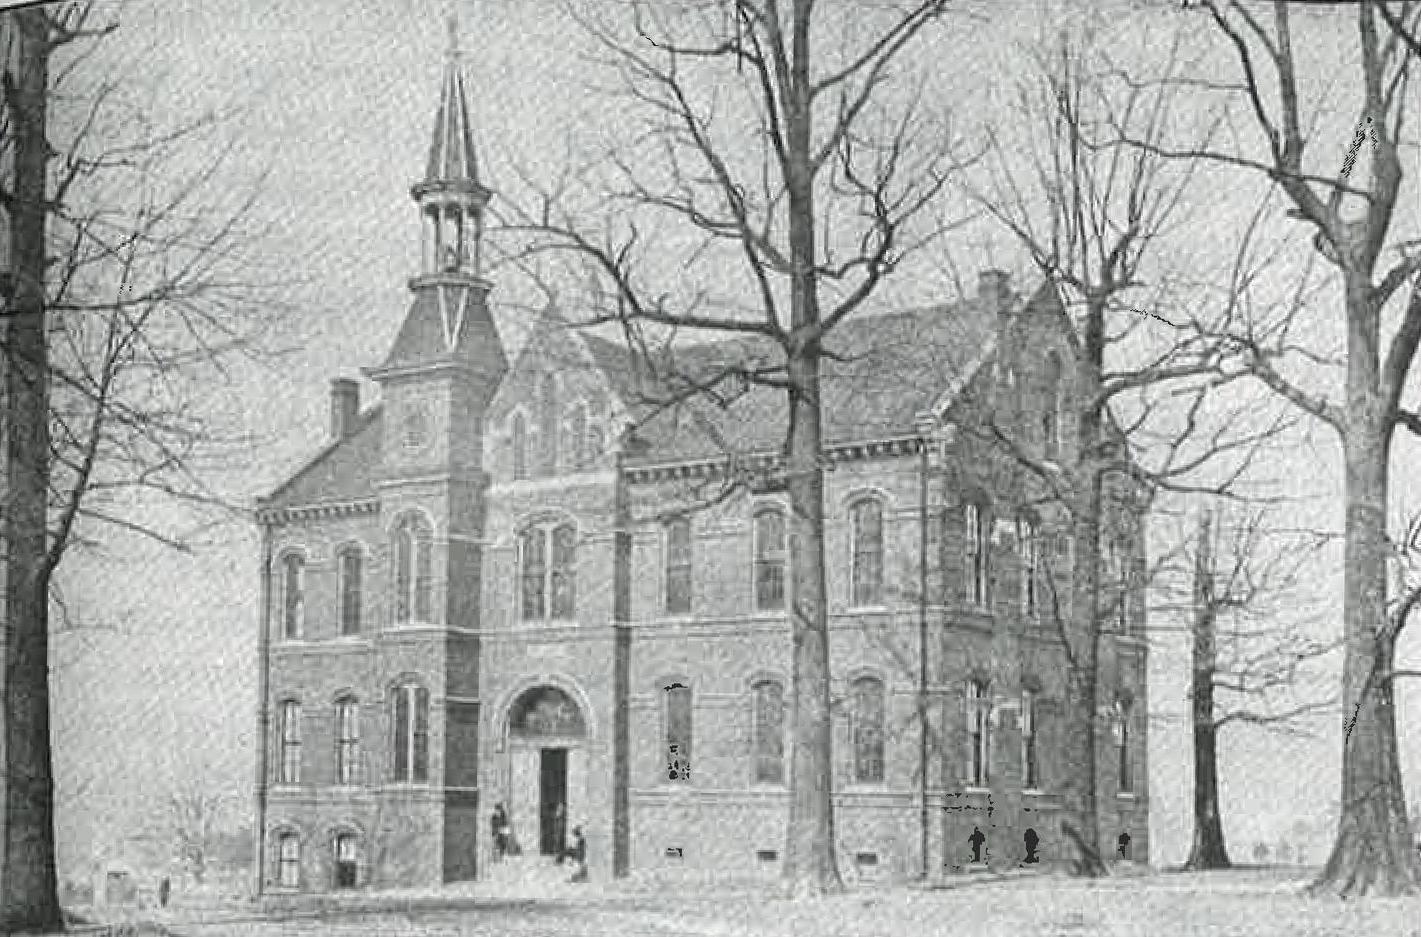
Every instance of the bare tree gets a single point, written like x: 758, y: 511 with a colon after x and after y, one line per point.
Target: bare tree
x: 122, y: 299
x: 1242, y: 579
x: 770, y: 145
x: 198, y: 817
x: 1352, y: 222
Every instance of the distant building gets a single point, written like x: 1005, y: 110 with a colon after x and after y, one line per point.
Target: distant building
x: 488, y: 589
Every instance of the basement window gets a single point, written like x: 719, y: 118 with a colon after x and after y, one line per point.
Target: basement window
x: 766, y: 855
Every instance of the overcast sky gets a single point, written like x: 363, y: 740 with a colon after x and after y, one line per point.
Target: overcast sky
x: 335, y: 101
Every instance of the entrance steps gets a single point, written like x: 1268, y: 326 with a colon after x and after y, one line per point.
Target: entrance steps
x: 529, y: 874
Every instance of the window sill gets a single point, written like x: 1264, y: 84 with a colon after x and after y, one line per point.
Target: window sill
x: 975, y: 789
x: 1124, y: 795
x: 1034, y: 792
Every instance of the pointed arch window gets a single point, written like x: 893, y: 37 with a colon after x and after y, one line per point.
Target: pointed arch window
x: 868, y: 718
x: 288, y: 765
x: 576, y: 445
x: 769, y: 719
x: 1030, y: 765
x: 979, y: 732
x: 770, y: 560
x: 548, y: 422
x: 409, y: 711
x: 348, y: 574
x: 1028, y: 543
x: 547, y: 557
x: 519, y: 444
x: 976, y: 532
x: 293, y: 595
x: 866, y: 532
x: 345, y: 853
x: 1125, y: 775
x: 1051, y: 407
x: 678, y: 566
x: 347, y: 740
x: 414, y: 561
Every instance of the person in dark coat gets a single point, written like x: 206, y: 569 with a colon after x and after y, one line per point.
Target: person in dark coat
x: 560, y: 833
x: 1032, y: 840
x: 1122, y: 846
x: 165, y: 891
x: 499, y: 824
x: 577, y: 855
x: 977, y: 839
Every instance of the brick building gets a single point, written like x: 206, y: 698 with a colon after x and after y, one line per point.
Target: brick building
x: 511, y: 582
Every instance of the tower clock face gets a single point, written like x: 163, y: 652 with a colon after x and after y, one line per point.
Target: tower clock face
x: 414, y: 427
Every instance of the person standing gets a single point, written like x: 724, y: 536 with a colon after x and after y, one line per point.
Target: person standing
x: 977, y: 839
x: 165, y: 891
x: 499, y: 824
x: 577, y: 852
x: 560, y: 832
x: 1032, y: 840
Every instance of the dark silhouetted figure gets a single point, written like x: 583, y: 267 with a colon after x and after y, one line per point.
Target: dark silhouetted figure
x: 560, y: 832
x: 577, y: 854
x: 1122, y: 846
x: 499, y: 823
x: 1032, y: 840
x: 165, y: 891
x: 977, y: 839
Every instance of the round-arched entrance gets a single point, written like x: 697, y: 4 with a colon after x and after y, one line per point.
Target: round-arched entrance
x: 546, y: 750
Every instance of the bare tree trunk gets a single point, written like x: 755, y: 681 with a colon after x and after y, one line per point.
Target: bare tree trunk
x: 28, y: 895
x: 1373, y: 850
x: 1082, y: 824
x: 812, y: 868
x: 1208, y: 850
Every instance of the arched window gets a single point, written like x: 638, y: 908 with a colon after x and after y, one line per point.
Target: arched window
x: 769, y: 717
x: 348, y: 572
x: 1116, y: 587
x: 1028, y: 548
x: 979, y: 732
x: 548, y: 421
x: 548, y: 589
x: 678, y: 566
x: 867, y: 716
x: 1051, y: 407
x: 414, y: 561
x: 866, y: 531
x: 576, y: 446
x: 409, y: 712
x: 678, y: 732
x: 288, y: 765
x: 769, y: 560
x: 1124, y: 769
x: 976, y: 533
x: 519, y: 434
x: 288, y: 860
x: 347, y: 740
x: 345, y: 855
x: 1030, y: 767
x: 293, y: 595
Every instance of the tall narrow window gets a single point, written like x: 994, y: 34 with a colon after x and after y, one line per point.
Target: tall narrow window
x: 293, y: 595
x: 346, y: 850
x: 1030, y: 770
x: 519, y: 443
x: 348, y: 571
x: 769, y: 560
x: 866, y: 530
x: 769, y: 732
x: 678, y: 732
x: 1115, y: 588
x: 413, y: 566
x: 978, y: 552
x: 533, y: 572
x: 289, y: 731
x: 410, y: 712
x: 678, y: 566
x: 548, y: 422
x: 576, y: 445
x: 563, y: 576
x: 868, y: 730
x: 347, y: 740
x: 1028, y: 548
x: 1125, y: 772
x: 979, y: 734
x: 288, y: 860
x: 1051, y: 407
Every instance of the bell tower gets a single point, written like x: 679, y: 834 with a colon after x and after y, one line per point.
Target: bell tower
x: 442, y: 370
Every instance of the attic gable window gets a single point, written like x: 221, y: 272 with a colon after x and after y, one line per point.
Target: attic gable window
x: 770, y: 560
x: 976, y: 528
x: 1051, y: 407
x: 518, y: 442
x: 548, y: 412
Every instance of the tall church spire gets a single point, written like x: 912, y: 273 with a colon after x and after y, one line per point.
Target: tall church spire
x: 451, y: 198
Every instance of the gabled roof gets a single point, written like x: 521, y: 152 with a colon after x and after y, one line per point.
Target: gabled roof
x: 881, y: 372
x: 422, y: 340
x: 341, y: 472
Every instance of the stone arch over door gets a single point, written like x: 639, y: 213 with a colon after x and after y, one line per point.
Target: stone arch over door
x: 544, y: 729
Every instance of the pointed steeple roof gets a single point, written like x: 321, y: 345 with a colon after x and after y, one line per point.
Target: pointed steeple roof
x: 451, y: 153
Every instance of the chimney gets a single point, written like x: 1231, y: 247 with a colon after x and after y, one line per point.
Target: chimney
x: 994, y: 290
x: 345, y: 406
